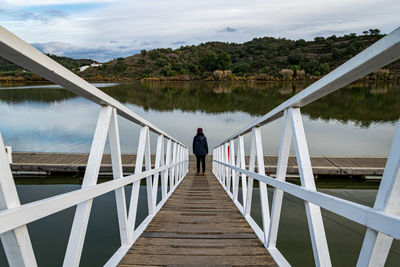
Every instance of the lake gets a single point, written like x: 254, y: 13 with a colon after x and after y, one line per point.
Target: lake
x: 359, y: 120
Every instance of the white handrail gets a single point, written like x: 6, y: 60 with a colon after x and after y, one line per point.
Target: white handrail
x: 173, y: 165
x: 382, y: 221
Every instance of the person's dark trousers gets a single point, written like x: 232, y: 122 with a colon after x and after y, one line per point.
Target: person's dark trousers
x: 201, y: 158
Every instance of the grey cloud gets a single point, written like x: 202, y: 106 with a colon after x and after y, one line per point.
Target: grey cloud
x: 179, y: 43
x: 101, y: 54
x: 228, y: 29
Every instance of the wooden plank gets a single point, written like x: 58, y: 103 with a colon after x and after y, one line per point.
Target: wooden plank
x: 198, y: 225
x: 203, y: 260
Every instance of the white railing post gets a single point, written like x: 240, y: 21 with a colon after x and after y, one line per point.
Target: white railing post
x: 231, y: 162
x: 283, y: 157
x: 136, y: 185
x: 115, y: 148
x: 250, y: 180
x: 227, y: 171
x: 235, y: 192
x: 243, y: 166
x: 82, y: 213
x: 222, y: 170
x: 219, y: 165
x: 212, y: 160
x: 149, y: 182
x: 180, y: 170
x: 178, y: 154
x: 164, y: 174
x: 16, y: 243
x: 174, y: 152
x: 314, y: 217
x: 376, y: 245
x: 157, y: 164
x: 168, y: 172
x: 262, y: 186
x: 222, y: 174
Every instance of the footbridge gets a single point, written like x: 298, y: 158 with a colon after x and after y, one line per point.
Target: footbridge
x: 200, y: 220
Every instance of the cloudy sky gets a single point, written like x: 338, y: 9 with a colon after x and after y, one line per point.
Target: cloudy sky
x: 106, y: 29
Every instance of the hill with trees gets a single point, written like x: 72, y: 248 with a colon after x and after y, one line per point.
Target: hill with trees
x: 264, y: 58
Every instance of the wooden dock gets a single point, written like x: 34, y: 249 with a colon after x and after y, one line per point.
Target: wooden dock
x: 53, y: 163
x: 199, y: 226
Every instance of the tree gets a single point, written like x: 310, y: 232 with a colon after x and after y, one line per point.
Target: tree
x: 120, y: 65
x: 295, y: 68
x: 312, y: 66
x: 209, y: 61
x: 168, y: 71
x: 324, y: 68
x: 296, y: 56
x: 374, y: 32
x: 241, y: 68
x: 223, y: 61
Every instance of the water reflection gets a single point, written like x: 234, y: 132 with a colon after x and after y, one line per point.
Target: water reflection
x: 357, y: 120
x: 360, y: 103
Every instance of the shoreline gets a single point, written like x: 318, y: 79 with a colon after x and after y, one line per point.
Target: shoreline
x: 39, y: 80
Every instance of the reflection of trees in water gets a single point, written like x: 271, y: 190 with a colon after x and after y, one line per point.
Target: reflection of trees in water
x: 362, y: 104
x: 45, y: 95
x: 359, y: 103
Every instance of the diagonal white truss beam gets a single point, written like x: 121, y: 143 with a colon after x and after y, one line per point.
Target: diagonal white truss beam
x: 82, y: 213
x: 17, y: 244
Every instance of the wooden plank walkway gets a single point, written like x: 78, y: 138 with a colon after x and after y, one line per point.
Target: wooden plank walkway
x: 76, y: 163
x: 199, y: 226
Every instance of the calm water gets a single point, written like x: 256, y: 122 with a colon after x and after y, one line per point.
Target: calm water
x: 50, y: 235
x: 359, y: 120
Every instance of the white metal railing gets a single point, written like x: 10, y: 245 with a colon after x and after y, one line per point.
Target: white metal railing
x: 171, y: 165
x: 382, y: 221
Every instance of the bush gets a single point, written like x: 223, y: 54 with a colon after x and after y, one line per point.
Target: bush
x: 120, y: 65
x: 286, y: 73
x: 324, y: 68
x: 296, y: 56
x: 142, y: 61
x: 312, y: 66
x: 168, y: 71
x: 382, y: 73
x: 300, y: 74
x: 209, y: 61
x: 241, y: 68
x: 264, y: 70
x: 223, y: 61
x: 295, y: 68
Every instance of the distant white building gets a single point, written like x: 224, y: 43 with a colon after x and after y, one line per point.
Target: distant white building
x: 91, y: 65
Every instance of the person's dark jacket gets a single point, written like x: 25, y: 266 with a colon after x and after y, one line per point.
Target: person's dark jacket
x: 200, y: 146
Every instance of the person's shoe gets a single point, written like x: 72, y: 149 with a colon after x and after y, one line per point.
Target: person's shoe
x: 197, y: 173
x: 204, y: 174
